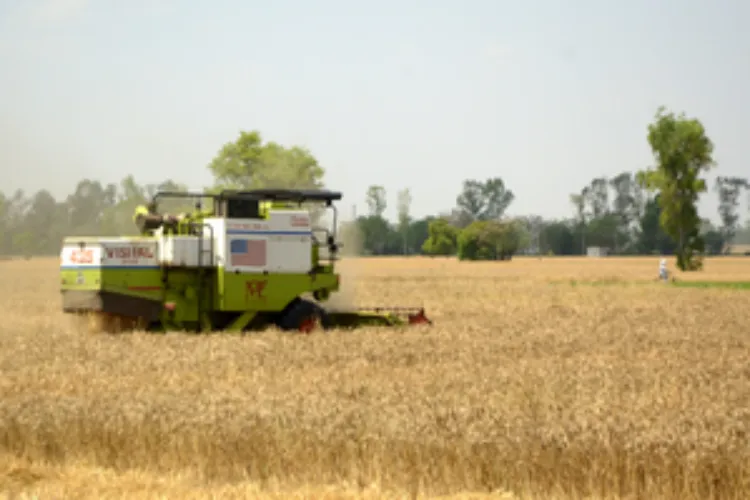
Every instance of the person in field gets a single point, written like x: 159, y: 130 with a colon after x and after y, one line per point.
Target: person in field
x: 663, y: 272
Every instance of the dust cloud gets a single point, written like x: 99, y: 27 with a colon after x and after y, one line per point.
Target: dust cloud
x: 350, y: 238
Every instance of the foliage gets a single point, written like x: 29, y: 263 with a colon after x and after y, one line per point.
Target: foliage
x: 376, y: 200
x: 442, y: 238
x: 651, y: 237
x: 482, y: 201
x: 682, y: 151
x: 490, y: 240
x: 247, y: 162
x: 729, y: 189
x: 378, y: 236
x: 404, y: 219
x: 557, y: 238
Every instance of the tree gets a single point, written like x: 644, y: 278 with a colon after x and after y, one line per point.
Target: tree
x: 44, y: 221
x: 418, y: 234
x: 557, y: 238
x: 442, y: 238
x: 498, y: 198
x: 624, y: 207
x: 88, y: 206
x: 249, y: 163
x: 682, y: 151
x: 533, y: 226
x: 622, y: 185
x: 651, y: 236
x: 729, y: 189
x: 482, y: 201
x: 4, y: 229
x: 374, y: 228
x: 490, y: 240
x: 376, y: 234
x: 579, y: 202
x: 404, y: 204
x: 598, y: 197
x: 376, y: 200
x: 714, y: 238
x: 604, y: 231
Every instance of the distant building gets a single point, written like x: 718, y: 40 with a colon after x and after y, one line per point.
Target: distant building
x: 597, y: 251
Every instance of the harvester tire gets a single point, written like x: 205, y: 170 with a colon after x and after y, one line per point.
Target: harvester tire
x: 303, y: 315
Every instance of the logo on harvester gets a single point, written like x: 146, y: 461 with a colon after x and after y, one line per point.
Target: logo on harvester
x: 254, y: 289
x: 130, y: 252
x: 82, y: 256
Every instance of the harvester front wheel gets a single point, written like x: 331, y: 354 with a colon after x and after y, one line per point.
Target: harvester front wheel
x: 303, y: 316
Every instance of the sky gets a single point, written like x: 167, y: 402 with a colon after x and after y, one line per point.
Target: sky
x: 405, y: 94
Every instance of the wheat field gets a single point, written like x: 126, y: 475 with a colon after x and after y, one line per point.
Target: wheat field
x: 528, y: 385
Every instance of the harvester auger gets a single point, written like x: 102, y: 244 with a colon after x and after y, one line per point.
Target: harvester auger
x: 244, y: 264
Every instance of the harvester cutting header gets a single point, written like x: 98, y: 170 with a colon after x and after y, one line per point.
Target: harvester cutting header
x: 244, y: 263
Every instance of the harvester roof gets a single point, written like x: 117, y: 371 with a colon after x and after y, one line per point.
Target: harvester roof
x: 293, y: 195
x: 280, y: 195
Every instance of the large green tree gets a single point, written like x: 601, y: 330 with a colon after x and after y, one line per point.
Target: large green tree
x: 682, y: 151
x: 442, y: 238
x: 491, y: 240
x: 248, y: 162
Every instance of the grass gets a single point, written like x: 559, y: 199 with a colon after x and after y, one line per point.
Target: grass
x: 736, y: 285
x: 519, y: 390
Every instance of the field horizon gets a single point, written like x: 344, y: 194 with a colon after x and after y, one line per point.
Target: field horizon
x: 526, y: 386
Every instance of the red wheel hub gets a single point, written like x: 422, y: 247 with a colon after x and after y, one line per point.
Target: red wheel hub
x: 307, y: 325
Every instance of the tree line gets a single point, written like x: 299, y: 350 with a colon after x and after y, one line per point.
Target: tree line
x: 651, y: 211
x: 613, y: 213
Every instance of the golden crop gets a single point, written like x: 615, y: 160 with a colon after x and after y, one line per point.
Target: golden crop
x: 525, y: 387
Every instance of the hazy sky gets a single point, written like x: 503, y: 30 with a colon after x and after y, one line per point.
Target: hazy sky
x: 417, y: 94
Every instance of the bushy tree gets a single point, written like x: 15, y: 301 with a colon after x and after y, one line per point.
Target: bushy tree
x: 248, y: 162
x: 442, y: 238
x: 490, y: 240
x: 682, y: 151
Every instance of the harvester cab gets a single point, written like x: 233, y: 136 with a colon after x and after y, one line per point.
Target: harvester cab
x: 244, y: 262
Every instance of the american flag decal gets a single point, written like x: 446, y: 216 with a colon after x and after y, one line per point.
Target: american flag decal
x: 247, y: 252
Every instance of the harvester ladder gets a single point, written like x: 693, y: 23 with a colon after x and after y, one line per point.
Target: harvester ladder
x: 204, y: 270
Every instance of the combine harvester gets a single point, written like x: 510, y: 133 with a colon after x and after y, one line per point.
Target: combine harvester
x: 245, y: 264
